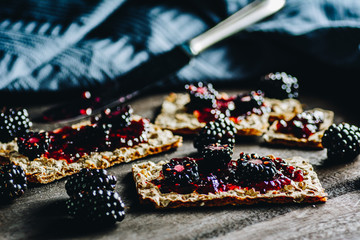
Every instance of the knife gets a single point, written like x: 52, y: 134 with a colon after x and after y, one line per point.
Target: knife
x: 170, y: 62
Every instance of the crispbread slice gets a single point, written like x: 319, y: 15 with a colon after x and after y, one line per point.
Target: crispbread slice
x: 283, y: 109
x: 307, y: 191
x: 173, y: 116
x: 314, y: 141
x: 44, y: 170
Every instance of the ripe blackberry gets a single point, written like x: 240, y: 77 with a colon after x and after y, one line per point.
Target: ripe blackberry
x: 248, y: 102
x: 119, y: 117
x: 220, y: 131
x: 90, y: 179
x: 13, y: 123
x: 252, y: 168
x: 182, y: 171
x: 217, y: 155
x: 342, y: 141
x: 97, y: 206
x: 280, y: 85
x: 13, y: 182
x: 94, y: 137
x: 33, y: 144
x: 202, y: 95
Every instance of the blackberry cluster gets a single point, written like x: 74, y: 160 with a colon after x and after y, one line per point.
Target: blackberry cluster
x: 92, y: 137
x: 13, y: 123
x: 342, y: 141
x: 182, y: 171
x: 90, y: 179
x: 248, y: 102
x: 280, y: 85
x: 119, y: 117
x: 97, y: 206
x: 220, y: 131
x: 33, y: 144
x: 252, y: 168
x: 202, y: 95
x: 13, y: 182
x: 216, y: 155
x: 92, y: 197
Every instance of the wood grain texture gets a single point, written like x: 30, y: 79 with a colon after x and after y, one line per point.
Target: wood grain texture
x: 40, y: 213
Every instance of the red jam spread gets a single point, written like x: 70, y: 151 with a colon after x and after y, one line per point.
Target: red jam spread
x: 222, y: 180
x: 236, y: 107
x: 303, y: 125
x: 70, y: 144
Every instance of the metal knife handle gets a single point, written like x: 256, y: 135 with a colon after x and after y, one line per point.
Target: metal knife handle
x: 243, y: 18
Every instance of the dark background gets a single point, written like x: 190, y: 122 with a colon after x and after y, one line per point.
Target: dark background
x: 53, y: 50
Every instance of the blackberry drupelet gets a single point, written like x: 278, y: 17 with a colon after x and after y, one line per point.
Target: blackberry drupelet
x: 97, y: 206
x: 90, y: 179
x: 33, y: 144
x: 13, y: 123
x: 216, y: 155
x: 220, y: 131
x: 252, y: 168
x: 119, y: 117
x: 202, y: 95
x: 280, y: 85
x: 342, y: 141
x: 13, y: 182
x: 182, y: 171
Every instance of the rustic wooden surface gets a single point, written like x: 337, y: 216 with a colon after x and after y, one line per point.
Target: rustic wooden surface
x: 40, y: 213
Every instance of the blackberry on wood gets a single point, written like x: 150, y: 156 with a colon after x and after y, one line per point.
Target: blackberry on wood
x: 252, y: 168
x: 13, y: 123
x: 220, y: 131
x: 182, y: 171
x: 90, y: 179
x: 202, y: 95
x: 97, y: 206
x: 13, y: 182
x: 217, y: 155
x: 33, y: 144
x: 342, y: 141
x: 280, y: 85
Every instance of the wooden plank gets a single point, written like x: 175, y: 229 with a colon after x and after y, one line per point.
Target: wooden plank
x: 339, y: 218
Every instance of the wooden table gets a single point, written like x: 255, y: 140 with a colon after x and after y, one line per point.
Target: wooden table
x: 40, y: 213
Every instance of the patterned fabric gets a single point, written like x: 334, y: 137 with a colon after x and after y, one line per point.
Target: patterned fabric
x: 62, y: 45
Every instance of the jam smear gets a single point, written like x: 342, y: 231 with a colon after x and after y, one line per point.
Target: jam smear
x: 236, y: 108
x: 70, y: 144
x: 223, y: 179
x: 303, y: 125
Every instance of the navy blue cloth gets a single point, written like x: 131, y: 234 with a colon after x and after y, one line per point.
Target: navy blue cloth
x: 56, y: 46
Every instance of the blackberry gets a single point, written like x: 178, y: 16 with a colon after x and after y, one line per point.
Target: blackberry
x: 13, y: 182
x: 202, y: 95
x: 13, y: 123
x: 252, y: 168
x: 33, y: 144
x: 342, y: 141
x: 90, y: 179
x: 220, y: 131
x: 182, y: 171
x: 119, y: 117
x: 246, y: 103
x: 94, y: 137
x: 97, y: 206
x: 280, y: 85
x: 217, y: 155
